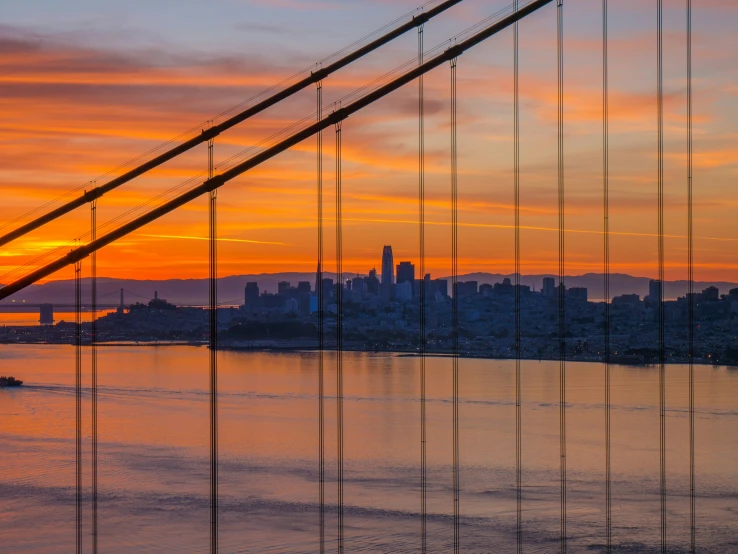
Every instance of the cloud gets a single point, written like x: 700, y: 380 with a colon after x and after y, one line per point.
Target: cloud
x: 70, y: 111
x: 220, y: 239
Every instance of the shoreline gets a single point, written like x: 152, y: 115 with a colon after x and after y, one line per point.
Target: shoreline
x: 398, y: 352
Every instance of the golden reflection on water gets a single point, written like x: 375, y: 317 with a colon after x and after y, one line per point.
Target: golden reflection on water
x: 153, y: 421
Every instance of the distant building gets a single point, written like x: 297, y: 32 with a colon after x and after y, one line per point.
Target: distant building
x: 387, y: 266
x: 467, y: 289
x: 46, y: 313
x: 357, y: 286
x: 654, y: 291
x: 623, y: 300
x: 406, y: 272
x: 423, y: 287
x: 549, y: 287
x: 371, y: 283
x: 283, y: 288
x: 271, y: 301
x: 577, y: 293
x: 252, y: 295
x: 711, y: 294
x: 327, y: 288
x: 291, y: 306
x: 404, y: 291
x: 441, y: 287
x: 306, y: 302
x: 303, y: 287
x: 318, y: 277
x: 486, y: 290
x: 505, y: 287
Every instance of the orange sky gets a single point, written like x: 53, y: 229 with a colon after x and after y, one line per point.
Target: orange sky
x: 73, y: 108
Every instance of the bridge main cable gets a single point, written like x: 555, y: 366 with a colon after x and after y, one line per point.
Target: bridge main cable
x: 212, y: 132
x: 219, y: 180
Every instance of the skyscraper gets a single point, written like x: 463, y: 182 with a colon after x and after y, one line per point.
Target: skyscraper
x: 252, y: 295
x: 318, y: 278
x: 549, y: 287
x: 654, y: 291
x: 387, y: 266
x: 371, y: 283
x: 405, y: 272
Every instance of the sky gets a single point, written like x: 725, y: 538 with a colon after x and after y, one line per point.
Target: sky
x: 86, y: 88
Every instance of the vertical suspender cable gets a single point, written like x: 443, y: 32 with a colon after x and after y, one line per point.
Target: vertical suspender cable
x: 93, y: 352
x: 339, y: 337
x: 690, y: 290
x: 78, y: 397
x: 662, y: 359
x: 516, y: 199
x: 321, y: 330
x: 213, y: 255
x: 562, y: 256
x: 606, y: 268
x: 455, y: 302
x: 422, y: 291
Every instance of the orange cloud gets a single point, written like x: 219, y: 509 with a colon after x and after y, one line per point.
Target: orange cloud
x: 69, y: 113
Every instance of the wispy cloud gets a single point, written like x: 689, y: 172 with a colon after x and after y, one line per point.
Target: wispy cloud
x: 220, y: 239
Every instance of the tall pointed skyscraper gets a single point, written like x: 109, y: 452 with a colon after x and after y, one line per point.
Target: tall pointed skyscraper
x: 388, y: 266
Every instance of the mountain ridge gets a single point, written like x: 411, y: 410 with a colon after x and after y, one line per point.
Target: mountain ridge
x: 231, y: 288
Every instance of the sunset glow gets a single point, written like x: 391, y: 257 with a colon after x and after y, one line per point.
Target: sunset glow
x: 75, y: 107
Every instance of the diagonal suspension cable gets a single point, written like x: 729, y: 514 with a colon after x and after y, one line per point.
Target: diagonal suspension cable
x: 251, y: 150
x: 219, y: 180
x: 214, y: 130
x: 222, y: 114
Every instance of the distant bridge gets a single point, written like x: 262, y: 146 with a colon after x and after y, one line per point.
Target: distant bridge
x: 22, y: 306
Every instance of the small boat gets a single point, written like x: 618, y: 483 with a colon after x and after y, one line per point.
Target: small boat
x: 10, y: 382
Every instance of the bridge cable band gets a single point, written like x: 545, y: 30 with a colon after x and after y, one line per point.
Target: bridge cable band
x: 93, y: 371
x: 455, y: 304
x: 213, y: 358
x: 321, y: 329
x: 339, y: 337
x: 423, y: 300
x: 78, y: 400
x: 516, y: 277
